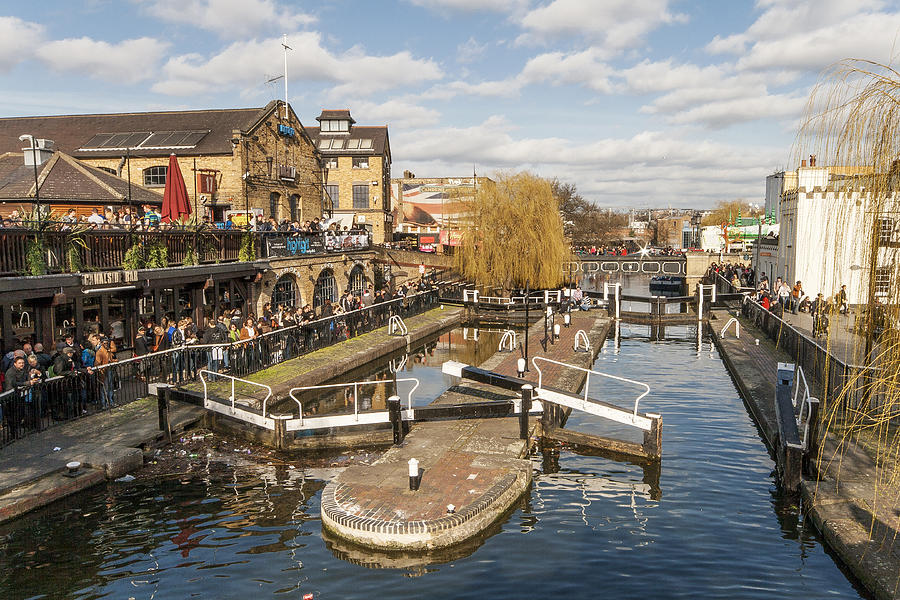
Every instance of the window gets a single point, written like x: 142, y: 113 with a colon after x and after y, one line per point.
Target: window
x: 341, y: 125
x: 285, y: 292
x: 360, y: 162
x: 883, y: 281
x: 293, y: 202
x: 365, y: 144
x: 331, y: 191
x: 885, y: 231
x: 325, y: 288
x: 337, y: 144
x: 352, y: 144
x: 357, y: 280
x: 325, y: 144
x: 361, y: 196
x: 155, y: 176
x: 274, y: 198
x: 331, y: 163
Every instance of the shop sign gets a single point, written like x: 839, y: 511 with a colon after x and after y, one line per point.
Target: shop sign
x: 108, y: 277
x: 286, y: 130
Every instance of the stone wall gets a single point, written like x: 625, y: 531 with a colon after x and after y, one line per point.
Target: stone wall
x: 377, y: 177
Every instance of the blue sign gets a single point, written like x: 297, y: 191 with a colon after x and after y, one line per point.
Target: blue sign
x: 285, y: 130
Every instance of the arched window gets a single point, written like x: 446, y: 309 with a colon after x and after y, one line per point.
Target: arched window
x: 294, y: 202
x: 285, y: 292
x: 325, y: 289
x: 155, y: 176
x: 357, y: 280
x: 274, y: 198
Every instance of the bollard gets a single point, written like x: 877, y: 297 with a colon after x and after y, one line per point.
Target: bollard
x: 520, y: 367
x: 567, y: 320
x: 415, y: 477
x: 162, y: 404
x: 527, y: 391
x: 394, y: 414
x: 556, y: 331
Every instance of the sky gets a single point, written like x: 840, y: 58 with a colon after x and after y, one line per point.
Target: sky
x: 639, y: 103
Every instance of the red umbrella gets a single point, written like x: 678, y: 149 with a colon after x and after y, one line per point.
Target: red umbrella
x: 175, y: 198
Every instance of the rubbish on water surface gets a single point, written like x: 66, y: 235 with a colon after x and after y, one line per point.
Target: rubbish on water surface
x: 125, y: 478
x: 57, y: 449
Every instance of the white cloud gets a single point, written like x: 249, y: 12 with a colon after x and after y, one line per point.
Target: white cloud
x: 18, y: 39
x: 244, y: 65
x: 614, y: 24
x: 227, y: 17
x: 128, y: 61
x: 649, y: 168
x: 810, y: 36
x: 470, y: 51
x: 471, y: 5
x: 396, y: 114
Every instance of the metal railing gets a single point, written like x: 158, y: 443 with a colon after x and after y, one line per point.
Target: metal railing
x: 737, y: 328
x: 32, y: 408
x: 233, y: 398
x: 397, y: 325
x: 509, y: 342
x: 355, y: 385
x: 587, y: 382
x: 805, y: 407
x: 581, y: 336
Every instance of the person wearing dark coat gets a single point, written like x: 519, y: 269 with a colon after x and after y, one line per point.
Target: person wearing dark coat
x: 17, y: 375
x: 140, y: 342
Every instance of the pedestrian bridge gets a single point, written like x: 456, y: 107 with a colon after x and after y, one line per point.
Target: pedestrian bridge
x: 648, y: 265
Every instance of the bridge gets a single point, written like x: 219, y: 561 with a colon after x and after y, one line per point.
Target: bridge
x: 633, y: 263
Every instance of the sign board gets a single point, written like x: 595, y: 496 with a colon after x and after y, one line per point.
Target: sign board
x: 355, y: 241
x: 286, y: 130
x: 451, y: 238
x: 108, y: 277
x: 281, y: 245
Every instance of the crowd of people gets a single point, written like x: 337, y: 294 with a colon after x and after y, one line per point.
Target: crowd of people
x: 780, y: 296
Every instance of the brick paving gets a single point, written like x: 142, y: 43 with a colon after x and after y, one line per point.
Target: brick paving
x: 476, y: 465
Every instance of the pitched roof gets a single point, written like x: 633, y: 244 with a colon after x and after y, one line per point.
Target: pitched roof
x: 335, y: 114
x: 73, y: 132
x: 64, y: 178
x: 378, y: 135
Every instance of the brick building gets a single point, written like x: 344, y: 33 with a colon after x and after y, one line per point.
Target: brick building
x: 231, y: 159
x: 358, y: 171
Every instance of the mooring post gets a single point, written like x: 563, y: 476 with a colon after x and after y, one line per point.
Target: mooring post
x: 394, y: 415
x: 653, y: 438
x: 527, y: 391
x: 162, y: 404
x: 281, y: 431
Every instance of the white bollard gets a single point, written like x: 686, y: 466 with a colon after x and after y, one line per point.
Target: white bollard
x: 520, y: 367
x: 556, y: 330
x: 413, y: 474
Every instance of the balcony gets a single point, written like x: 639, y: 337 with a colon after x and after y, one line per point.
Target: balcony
x: 106, y: 250
x: 286, y: 173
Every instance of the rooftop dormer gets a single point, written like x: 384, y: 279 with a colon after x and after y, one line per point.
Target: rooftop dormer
x: 335, y: 121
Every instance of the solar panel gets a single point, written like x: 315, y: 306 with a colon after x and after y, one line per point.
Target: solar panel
x: 167, y: 139
x: 98, y: 140
x: 193, y: 138
x: 157, y: 138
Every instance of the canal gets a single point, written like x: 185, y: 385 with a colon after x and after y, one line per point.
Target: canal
x: 709, y: 522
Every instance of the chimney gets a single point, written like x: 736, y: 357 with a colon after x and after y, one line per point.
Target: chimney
x: 803, y: 163
x: 812, y: 160
x: 38, y: 151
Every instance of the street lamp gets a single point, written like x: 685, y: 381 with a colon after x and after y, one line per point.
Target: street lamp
x: 34, y: 160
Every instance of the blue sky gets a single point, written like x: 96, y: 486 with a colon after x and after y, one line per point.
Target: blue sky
x: 637, y: 102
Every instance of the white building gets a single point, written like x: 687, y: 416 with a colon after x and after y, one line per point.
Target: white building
x: 824, y: 234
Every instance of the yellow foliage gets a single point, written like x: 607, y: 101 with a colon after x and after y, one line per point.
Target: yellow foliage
x: 513, y: 235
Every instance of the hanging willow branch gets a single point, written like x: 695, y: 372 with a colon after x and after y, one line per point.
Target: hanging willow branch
x: 513, y: 235
x: 853, y: 123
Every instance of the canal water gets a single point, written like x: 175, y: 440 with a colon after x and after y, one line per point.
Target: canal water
x: 709, y: 523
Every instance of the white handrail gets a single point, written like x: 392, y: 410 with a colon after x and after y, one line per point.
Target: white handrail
x: 355, y: 385
x: 512, y: 338
x: 580, y: 335
x: 805, y: 405
x: 737, y: 328
x: 233, y: 379
x: 395, y: 366
x: 397, y: 324
x: 588, y: 378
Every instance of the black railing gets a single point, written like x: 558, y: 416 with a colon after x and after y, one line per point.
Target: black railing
x: 35, y: 407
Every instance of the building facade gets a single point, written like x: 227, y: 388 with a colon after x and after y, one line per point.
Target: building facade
x: 233, y: 161
x: 357, y: 162
x: 432, y: 204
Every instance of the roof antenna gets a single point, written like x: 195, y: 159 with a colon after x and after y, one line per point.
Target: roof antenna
x: 286, y: 48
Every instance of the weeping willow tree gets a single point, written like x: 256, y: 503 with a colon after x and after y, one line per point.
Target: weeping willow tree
x: 853, y: 123
x: 512, y: 235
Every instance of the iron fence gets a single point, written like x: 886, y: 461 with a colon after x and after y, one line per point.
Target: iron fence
x: 31, y: 408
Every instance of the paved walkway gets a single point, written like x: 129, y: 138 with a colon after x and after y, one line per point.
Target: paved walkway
x: 841, y: 341
x: 476, y: 465
x: 30, y: 468
x: 857, y: 512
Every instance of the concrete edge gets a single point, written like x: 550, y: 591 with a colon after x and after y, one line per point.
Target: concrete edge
x: 446, y: 531
x: 877, y: 568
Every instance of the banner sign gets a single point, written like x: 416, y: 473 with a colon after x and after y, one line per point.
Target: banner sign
x: 451, y: 238
x: 346, y: 241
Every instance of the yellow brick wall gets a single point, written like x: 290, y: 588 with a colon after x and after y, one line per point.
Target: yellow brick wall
x: 345, y: 177
x: 251, y: 155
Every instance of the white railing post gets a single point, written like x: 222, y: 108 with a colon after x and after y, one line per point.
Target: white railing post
x: 618, y: 300
x: 606, y: 291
